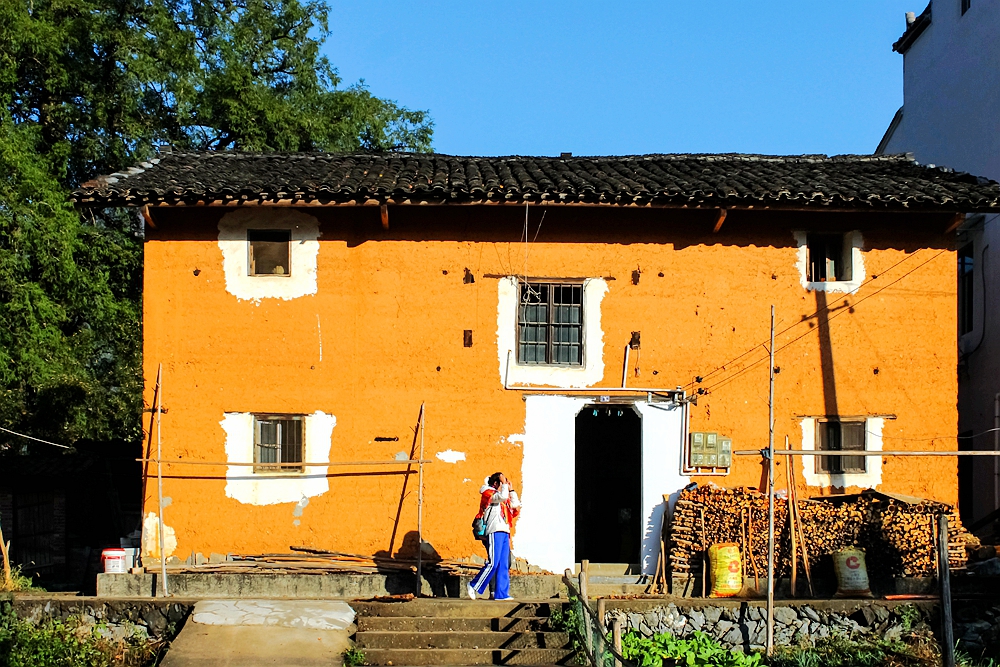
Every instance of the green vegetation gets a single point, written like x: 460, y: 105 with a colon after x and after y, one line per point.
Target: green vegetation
x: 698, y: 651
x: 88, y: 87
x: 566, y: 618
x: 914, y: 651
x: 354, y: 657
x: 56, y: 644
x: 19, y: 582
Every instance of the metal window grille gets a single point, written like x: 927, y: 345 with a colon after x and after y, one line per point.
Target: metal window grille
x: 965, y: 289
x: 835, y: 435
x: 277, y: 440
x: 550, y: 324
x: 269, y: 252
x: 828, y: 259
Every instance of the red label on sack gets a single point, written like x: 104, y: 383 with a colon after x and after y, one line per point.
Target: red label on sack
x: 853, y: 562
x: 734, y: 567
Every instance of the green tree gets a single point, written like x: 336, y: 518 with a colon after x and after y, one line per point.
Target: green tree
x: 92, y: 86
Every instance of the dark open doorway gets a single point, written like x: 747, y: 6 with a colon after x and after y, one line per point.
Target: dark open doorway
x: 608, y: 484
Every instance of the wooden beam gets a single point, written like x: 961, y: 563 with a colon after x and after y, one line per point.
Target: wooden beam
x: 147, y: 217
x: 955, y: 222
x: 719, y: 220
x: 385, y: 216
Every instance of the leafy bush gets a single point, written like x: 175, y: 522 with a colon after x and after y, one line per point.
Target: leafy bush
x: 698, y: 651
x: 916, y: 650
x: 57, y: 644
x: 354, y: 657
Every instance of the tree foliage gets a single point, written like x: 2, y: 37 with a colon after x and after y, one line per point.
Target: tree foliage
x: 92, y: 86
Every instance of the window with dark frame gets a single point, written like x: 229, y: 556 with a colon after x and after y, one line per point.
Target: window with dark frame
x: 836, y: 435
x: 966, y: 287
x: 966, y: 5
x: 269, y: 252
x: 277, y: 439
x: 829, y: 258
x: 550, y: 324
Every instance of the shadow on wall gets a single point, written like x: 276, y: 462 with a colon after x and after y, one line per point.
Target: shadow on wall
x: 401, y: 581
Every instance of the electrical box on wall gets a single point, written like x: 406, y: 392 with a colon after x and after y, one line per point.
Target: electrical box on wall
x: 710, y: 450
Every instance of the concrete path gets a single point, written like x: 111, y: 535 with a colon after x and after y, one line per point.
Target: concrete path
x: 299, y: 633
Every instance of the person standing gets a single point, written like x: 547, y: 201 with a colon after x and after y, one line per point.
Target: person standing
x: 498, y: 512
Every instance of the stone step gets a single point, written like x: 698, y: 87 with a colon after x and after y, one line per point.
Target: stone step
x: 618, y: 589
x: 422, y: 657
x: 446, y: 624
x: 610, y: 569
x: 455, y: 608
x: 630, y: 579
x: 467, y: 640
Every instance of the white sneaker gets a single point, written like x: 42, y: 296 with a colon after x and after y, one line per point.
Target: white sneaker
x: 471, y: 591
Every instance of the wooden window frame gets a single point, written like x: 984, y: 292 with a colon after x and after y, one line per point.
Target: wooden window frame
x: 251, y: 263
x: 840, y: 465
x: 279, y: 447
x: 551, y: 324
x: 843, y: 261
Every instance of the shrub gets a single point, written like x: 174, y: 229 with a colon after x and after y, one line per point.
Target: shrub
x: 698, y: 651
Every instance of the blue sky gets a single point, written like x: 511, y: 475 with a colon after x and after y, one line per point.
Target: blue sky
x: 616, y: 78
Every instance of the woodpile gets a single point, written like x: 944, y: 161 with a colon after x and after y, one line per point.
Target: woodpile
x: 897, y: 534
x: 302, y: 560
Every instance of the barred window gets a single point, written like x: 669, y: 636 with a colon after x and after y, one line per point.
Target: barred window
x: 277, y: 440
x: 550, y: 324
x: 836, y: 435
x: 829, y: 258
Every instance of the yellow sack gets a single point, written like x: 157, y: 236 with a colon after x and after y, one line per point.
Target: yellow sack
x: 727, y: 571
x: 852, y: 575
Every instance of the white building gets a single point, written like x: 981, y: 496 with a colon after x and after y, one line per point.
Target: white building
x: 951, y: 117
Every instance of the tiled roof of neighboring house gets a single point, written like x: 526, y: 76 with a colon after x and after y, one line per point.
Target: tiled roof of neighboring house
x: 730, y: 180
x: 913, y: 30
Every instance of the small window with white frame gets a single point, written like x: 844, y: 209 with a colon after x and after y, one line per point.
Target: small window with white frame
x: 269, y: 252
x: 835, y: 434
x: 278, y: 443
x: 829, y: 258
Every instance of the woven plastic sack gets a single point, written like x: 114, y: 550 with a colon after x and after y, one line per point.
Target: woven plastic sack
x: 727, y: 571
x: 852, y: 575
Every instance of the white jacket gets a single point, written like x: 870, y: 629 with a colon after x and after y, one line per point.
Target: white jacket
x: 493, y: 515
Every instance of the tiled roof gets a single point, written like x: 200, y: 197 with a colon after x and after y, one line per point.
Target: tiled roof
x: 730, y: 180
x: 913, y: 30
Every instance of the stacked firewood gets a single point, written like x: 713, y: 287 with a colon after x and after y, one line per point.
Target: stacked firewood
x: 898, y: 536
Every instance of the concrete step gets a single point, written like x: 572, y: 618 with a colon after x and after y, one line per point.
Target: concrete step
x: 469, y: 640
x: 610, y: 569
x: 631, y: 579
x: 606, y: 590
x: 455, y: 608
x: 446, y: 624
x: 462, y: 656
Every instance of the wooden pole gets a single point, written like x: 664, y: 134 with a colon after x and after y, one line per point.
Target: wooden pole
x: 420, y: 507
x: 770, y: 497
x: 616, y: 638
x: 944, y: 580
x: 798, y: 529
x: 791, y: 521
x: 159, y: 479
x: 8, y: 577
x: 584, y: 576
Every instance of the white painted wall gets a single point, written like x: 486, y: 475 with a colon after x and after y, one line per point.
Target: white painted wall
x: 546, y: 529
x: 246, y: 486
x: 592, y: 370
x: 300, y: 281
x: 951, y: 118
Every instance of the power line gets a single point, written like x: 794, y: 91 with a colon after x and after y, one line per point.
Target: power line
x: 21, y: 435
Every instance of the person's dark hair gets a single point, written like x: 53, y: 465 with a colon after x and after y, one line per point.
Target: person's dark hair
x: 495, y: 479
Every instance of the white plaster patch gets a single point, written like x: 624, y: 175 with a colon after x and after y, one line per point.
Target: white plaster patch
x: 151, y: 537
x: 663, y: 433
x: 592, y: 370
x: 244, y: 485
x: 451, y: 456
x: 854, y: 242
x: 309, y: 614
x: 466, y: 480
x: 873, y: 464
x: 301, y: 279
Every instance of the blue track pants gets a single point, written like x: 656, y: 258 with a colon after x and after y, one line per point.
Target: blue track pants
x: 497, y: 565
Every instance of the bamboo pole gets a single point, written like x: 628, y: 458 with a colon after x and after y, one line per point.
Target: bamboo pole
x: 770, y: 497
x: 159, y: 479
x: 791, y: 522
x: 420, y: 507
x: 944, y: 579
x: 794, y: 507
x: 323, y: 464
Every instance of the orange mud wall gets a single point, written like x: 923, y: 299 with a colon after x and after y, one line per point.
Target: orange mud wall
x: 389, y: 314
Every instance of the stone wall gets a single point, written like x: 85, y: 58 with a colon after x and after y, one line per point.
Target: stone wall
x: 741, y: 625
x: 155, y: 618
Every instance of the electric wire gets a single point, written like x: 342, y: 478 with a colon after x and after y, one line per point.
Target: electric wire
x: 743, y: 370
x: 22, y: 435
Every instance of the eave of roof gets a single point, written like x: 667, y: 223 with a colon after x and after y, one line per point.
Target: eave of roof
x: 913, y: 31
x: 849, y: 182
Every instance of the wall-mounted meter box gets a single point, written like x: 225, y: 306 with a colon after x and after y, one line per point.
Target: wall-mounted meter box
x: 710, y: 450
